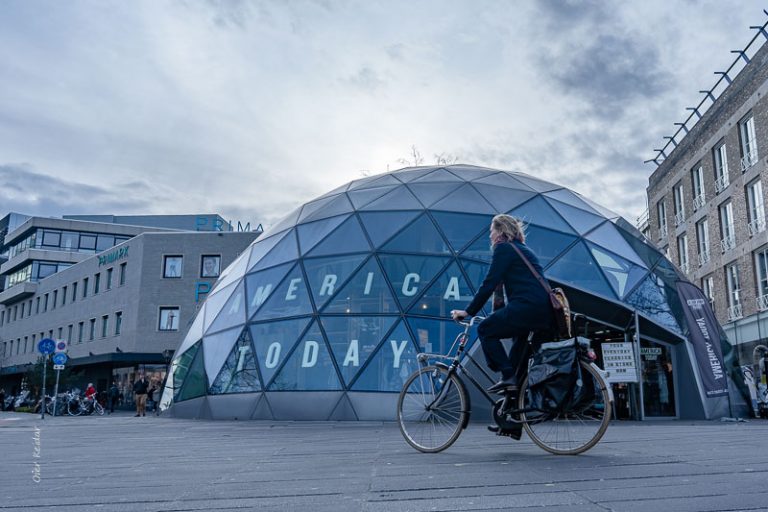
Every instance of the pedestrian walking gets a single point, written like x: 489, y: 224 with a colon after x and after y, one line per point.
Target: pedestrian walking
x: 140, y: 388
x: 114, y: 396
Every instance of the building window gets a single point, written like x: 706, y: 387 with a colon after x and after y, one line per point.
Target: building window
x: 88, y: 243
x: 45, y: 303
x: 80, y: 329
x: 755, y: 207
x: 734, y: 291
x: 55, y: 298
x: 104, y: 325
x: 109, y: 279
x: 37, y: 305
x: 682, y: 252
x: 169, y: 319
x: 678, y: 204
x: 85, y: 287
x: 748, y: 144
x: 118, y: 322
x: 60, y: 333
x: 122, y: 273
x: 92, y: 329
x: 210, y: 266
x: 64, y: 296
x: 69, y: 333
x: 74, y: 291
x: 722, y: 180
x: 661, y: 210
x: 761, y: 272
x: 96, y: 283
x: 702, y: 241
x: 172, y: 266
x: 51, y: 238
x: 727, y: 232
x: 697, y: 181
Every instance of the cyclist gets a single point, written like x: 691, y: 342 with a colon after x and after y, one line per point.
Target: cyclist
x: 527, y: 309
x: 90, y: 392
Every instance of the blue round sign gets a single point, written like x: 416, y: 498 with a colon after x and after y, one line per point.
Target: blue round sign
x: 46, y: 346
x: 60, y: 358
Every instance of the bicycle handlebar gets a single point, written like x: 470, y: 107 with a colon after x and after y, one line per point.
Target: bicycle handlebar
x: 471, y: 321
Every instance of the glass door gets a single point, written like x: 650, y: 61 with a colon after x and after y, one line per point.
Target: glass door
x: 657, y: 366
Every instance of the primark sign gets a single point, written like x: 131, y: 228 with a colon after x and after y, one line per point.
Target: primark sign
x: 113, y: 256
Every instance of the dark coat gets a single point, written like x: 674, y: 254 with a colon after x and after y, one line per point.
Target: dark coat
x: 140, y: 387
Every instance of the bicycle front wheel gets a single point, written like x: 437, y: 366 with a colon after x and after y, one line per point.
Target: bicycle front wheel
x: 432, y: 409
x: 577, y: 429
x: 98, y: 408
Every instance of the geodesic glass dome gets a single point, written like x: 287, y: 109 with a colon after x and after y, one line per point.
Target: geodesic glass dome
x: 322, y: 316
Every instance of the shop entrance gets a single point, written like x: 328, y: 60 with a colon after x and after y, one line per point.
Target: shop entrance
x: 657, y: 365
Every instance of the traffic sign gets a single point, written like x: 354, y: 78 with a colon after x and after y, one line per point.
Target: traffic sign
x: 61, y: 346
x: 46, y: 346
x: 58, y: 367
x: 60, y: 358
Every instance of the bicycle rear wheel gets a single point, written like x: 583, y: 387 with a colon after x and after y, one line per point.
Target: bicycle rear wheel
x: 98, y: 408
x: 573, y: 431
x: 432, y: 409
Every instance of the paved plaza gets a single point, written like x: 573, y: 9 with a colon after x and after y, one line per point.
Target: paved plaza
x: 122, y: 463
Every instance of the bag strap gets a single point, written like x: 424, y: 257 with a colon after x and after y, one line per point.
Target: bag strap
x: 541, y: 280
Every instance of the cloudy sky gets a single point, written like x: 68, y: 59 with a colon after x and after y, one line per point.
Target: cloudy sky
x: 250, y: 108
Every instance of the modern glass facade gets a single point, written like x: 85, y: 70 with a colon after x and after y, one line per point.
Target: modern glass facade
x: 322, y: 316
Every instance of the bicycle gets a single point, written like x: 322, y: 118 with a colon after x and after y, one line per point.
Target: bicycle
x: 434, y: 406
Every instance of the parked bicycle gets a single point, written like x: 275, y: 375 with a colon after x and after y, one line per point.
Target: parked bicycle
x: 434, y: 406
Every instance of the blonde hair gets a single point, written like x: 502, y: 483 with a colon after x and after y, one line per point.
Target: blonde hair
x: 510, y: 226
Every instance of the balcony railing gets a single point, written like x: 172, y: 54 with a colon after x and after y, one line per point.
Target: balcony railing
x: 762, y: 302
x: 756, y: 226
x: 684, y: 267
x: 663, y: 232
x: 734, y: 312
x: 679, y: 217
x: 748, y: 160
x: 721, y: 183
x: 703, y: 257
x: 727, y: 243
x: 699, y: 201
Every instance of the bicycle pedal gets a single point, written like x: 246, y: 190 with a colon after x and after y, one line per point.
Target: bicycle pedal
x: 514, y: 434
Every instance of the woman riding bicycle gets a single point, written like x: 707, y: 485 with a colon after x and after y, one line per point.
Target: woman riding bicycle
x: 528, y: 307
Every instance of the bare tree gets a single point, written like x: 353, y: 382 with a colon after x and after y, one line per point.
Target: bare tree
x: 417, y: 159
x: 445, y: 158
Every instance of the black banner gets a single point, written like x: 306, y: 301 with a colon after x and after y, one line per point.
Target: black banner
x: 704, y: 334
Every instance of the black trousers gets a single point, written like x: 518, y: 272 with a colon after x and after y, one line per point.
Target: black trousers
x: 508, y: 322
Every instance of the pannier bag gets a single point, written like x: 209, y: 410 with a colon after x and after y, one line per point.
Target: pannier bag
x: 555, y: 380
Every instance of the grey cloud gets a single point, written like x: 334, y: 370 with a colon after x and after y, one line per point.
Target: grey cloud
x: 563, y: 15
x: 365, y: 79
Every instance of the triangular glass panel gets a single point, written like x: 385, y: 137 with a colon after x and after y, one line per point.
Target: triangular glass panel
x: 343, y: 411
x: 312, y: 233
x: 214, y: 303
x: 364, y: 196
x: 260, y: 285
x: 263, y: 410
x: 232, y: 272
x: 536, y: 184
x: 465, y: 199
x: 546, y: 244
x: 605, y: 212
x: 353, y: 339
x: 335, y: 191
x: 538, y: 211
x: 327, y: 275
x: 621, y: 274
x: 650, y: 298
x: 429, y: 193
x: 262, y: 247
x: 233, y: 312
x: 310, y: 366
x: 480, y: 248
x: 577, y: 267
x: 421, y: 236
x: 436, y: 336
x: 194, y: 382
x: 461, y: 228
x: 470, y: 172
x: 374, y: 181
x: 392, y: 363
x: 195, y: 332
x: 382, y: 225
x: 581, y: 220
x: 239, y: 374
x: 413, y: 173
x: 476, y: 272
x: 180, y: 366
x: 398, y: 199
x: 273, y: 342
x: 285, y: 250
x: 438, y: 175
x: 291, y: 298
x: 409, y: 275
x: 324, y: 208
x: 503, y: 199
x: 622, y: 224
x: 648, y: 254
x: 608, y: 235
x: 572, y: 198
x: 449, y: 291
x: 503, y: 179
x: 216, y: 348
x: 366, y: 292
x: 348, y: 237
x: 286, y: 222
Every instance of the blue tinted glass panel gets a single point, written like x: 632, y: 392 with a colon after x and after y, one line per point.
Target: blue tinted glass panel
x: 309, y: 367
x: 382, y: 225
x: 466, y: 199
x: 273, y: 341
x: 471, y: 172
x: 233, y: 312
x: 579, y: 268
x: 480, y: 249
x: 239, y: 374
x: 535, y: 184
x: 547, y: 244
x: 348, y: 237
x: 366, y: 292
x: 291, y: 298
x: 286, y: 222
x: 214, y: 302
x: 392, y: 363
x: 449, y: 291
x: 421, y: 236
x: 476, y: 272
x: 571, y: 198
x: 375, y: 181
x: 648, y: 255
x: 605, y: 212
x: 461, y: 228
x: 327, y: 275
x: 407, y: 176
x: 399, y: 199
x: 262, y: 247
x: 581, y: 220
x: 436, y: 336
x: 410, y: 275
x: 503, y: 179
x: 628, y: 228
x: 324, y: 208
x: 285, y: 250
x: 312, y: 233
x: 437, y: 175
x: 260, y: 285
x: 503, y: 199
x: 364, y: 196
x: 353, y: 339
x: 216, y: 348
x: 622, y: 274
x: 537, y: 211
x: 650, y: 297
x: 608, y: 236
x: 195, y: 382
x: 181, y: 366
x: 429, y: 193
